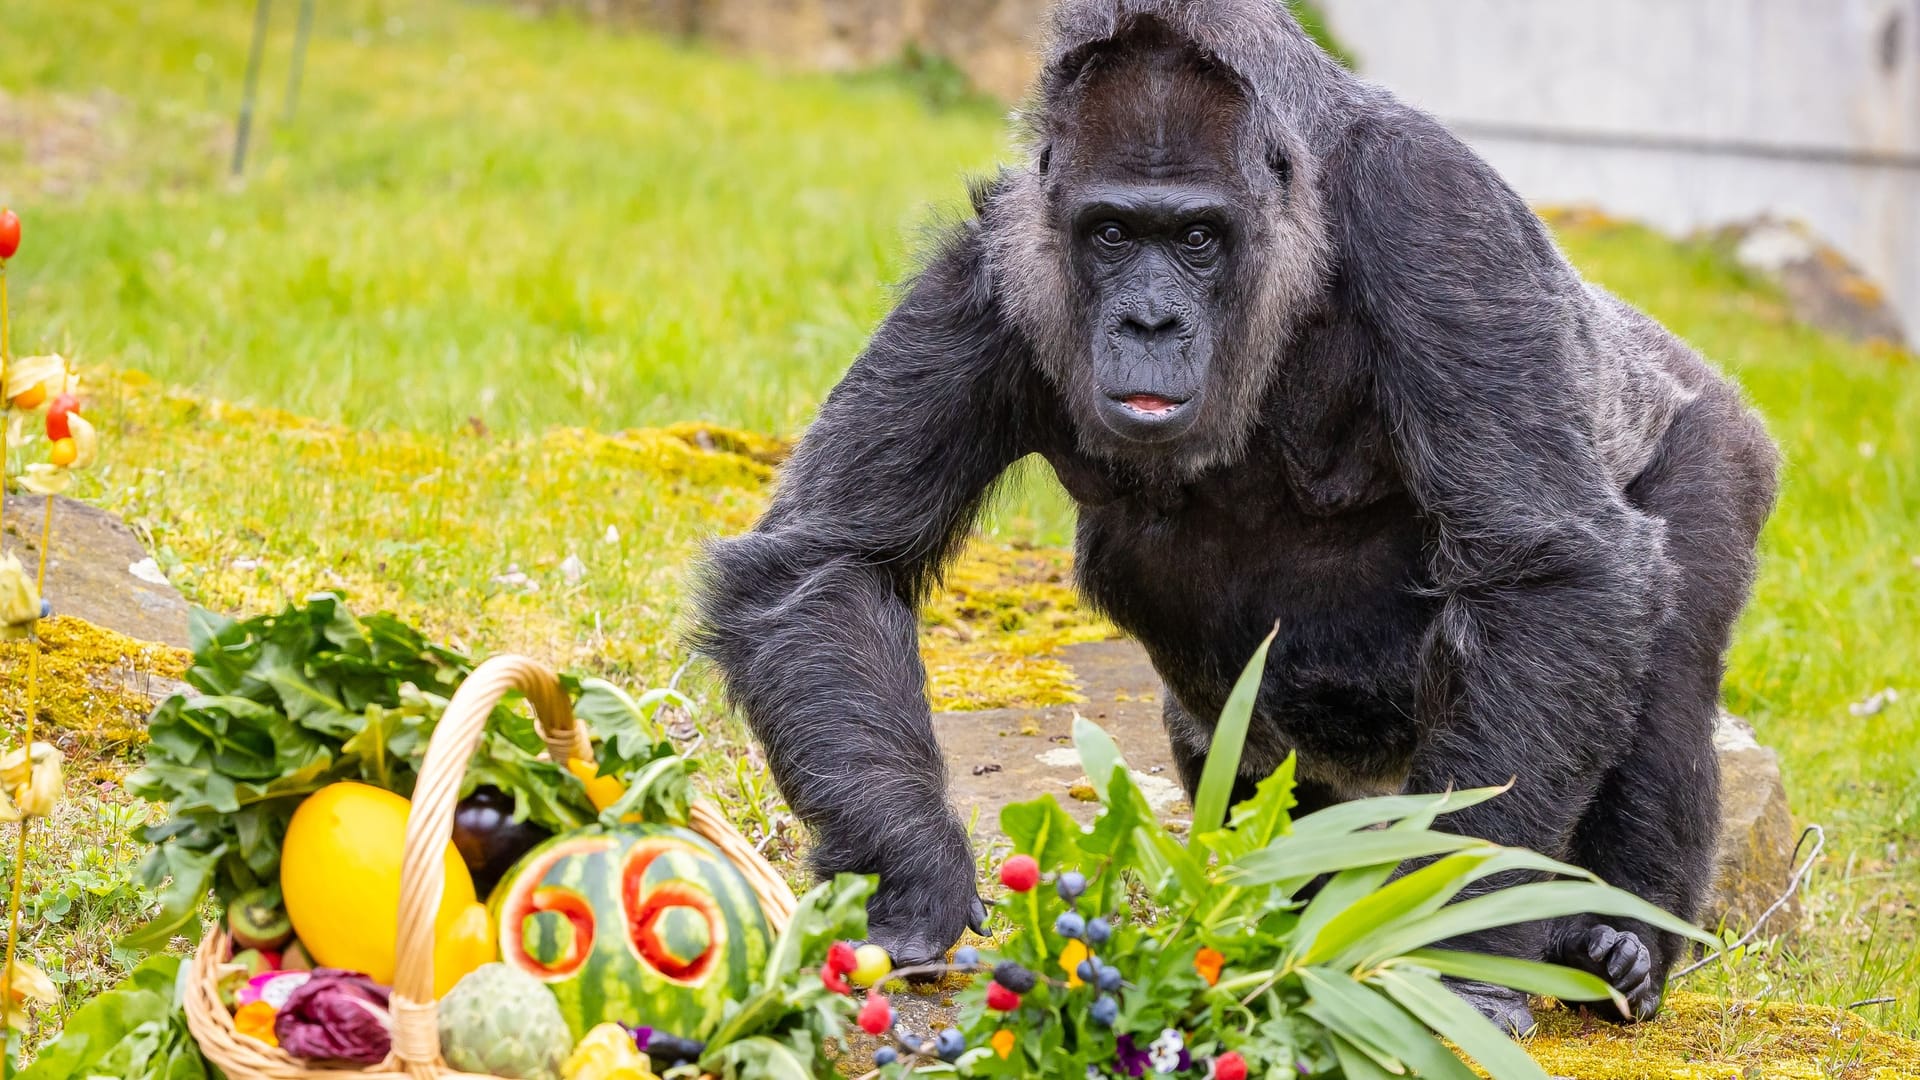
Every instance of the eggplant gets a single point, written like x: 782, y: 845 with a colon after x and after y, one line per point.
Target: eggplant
x: 488, y: 839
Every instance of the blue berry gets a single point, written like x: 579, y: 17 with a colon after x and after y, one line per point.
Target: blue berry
x: 1070, y: 885
x: 1089, y: 970
x: 46, y: 608
x: 1098, y: 931
x: 1105, y: 1011
x: 966, y: 956
x: 1070, y: 925
x: 886, y: 1055
x: 1109, y: 978
x: 1018, y: 979
x: 949, y: 1044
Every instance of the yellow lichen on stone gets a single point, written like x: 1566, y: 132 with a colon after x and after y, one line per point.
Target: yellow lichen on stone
x: 1697, y: 1037
x: 990, y: 637
x: 96, y: 689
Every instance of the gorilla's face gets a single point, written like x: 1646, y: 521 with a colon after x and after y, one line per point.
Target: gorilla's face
x: 1153, y: 254
x: 1160, y: 251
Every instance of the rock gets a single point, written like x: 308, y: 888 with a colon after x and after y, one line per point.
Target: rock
x: 99, y: 570
x: 1756, y: 832
x: 1823, y: 287
x: 1000, y: 756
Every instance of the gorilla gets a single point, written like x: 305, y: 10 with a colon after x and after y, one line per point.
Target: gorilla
x: 1300, y: 358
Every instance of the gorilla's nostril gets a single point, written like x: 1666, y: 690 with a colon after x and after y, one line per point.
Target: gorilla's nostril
x: 1149, y: 328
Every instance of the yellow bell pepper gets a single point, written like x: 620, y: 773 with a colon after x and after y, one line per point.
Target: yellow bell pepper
x: 602, y: 791
x: 608, y: 1052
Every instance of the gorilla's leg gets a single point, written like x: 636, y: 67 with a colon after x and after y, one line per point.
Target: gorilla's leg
x: 1654, y: 825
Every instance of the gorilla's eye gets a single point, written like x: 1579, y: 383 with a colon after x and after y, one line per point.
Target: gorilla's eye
x: 1199, y: 238
x: 1111, y: 235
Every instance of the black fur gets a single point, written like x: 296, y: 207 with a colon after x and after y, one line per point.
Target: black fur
x: 1503, y: 521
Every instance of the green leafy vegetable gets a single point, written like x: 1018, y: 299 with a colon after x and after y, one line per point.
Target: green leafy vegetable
x: 291, y: 702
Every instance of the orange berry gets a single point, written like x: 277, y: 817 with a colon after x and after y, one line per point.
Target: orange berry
x: 65, y: 452
x: 31, y: 397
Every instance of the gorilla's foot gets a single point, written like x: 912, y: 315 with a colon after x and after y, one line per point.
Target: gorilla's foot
x: 1506, y: 1008
x: 1624, y: 961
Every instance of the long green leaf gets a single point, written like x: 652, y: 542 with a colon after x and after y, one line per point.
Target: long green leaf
x: 1301, y: 856
x: 1436, y: 1006
x: 1355, y: 1064
x: 1529, y: 976
x: 1350, y: 886
x: 1350, y: 1030
x: 1223, y: 753
x: 1529, y: 903
x: 1098, y: 753
x: 1347, y: 939
x: 1384, y: 1025
x: 1410, y: 895
x: 1360, y: 814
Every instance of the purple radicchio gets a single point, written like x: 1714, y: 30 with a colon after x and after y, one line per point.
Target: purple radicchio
x: 336, y: 1016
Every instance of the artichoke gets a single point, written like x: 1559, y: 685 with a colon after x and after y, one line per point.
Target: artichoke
x: 501, y: 1021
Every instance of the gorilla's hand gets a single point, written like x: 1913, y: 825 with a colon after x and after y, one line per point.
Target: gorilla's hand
x: 927, y: 896
x: 1506, y: 1008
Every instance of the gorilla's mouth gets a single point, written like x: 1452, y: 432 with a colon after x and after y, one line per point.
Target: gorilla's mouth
x: 1151, y: 405
x: 1147, y: 417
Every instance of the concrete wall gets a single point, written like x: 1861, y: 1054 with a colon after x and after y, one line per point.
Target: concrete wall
x: 1683, y: 113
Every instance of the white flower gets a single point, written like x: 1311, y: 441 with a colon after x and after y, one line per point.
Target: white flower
x: 1164, y: 1052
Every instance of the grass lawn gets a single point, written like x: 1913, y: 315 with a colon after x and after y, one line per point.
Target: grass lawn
x: 434, y: 343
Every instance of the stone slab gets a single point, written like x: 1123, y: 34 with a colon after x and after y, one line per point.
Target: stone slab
x: 90, y: 574
x: 1010, y: 755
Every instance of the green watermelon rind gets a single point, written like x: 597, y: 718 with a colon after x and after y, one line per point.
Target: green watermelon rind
x: 615, y: 983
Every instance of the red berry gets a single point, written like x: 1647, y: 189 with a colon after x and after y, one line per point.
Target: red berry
x: 1230, y: 1066
x: 876, y: 1016
x: 1001, y: 999
x: 57, y: 416
x: 1020, y: 873
x: 9, y: 233
x: 841, y: 959
x: 834, y: 980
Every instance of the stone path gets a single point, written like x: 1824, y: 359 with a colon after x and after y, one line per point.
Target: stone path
x: 1010, y: 755
x: 96, y: 569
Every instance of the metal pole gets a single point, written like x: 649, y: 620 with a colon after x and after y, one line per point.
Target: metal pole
x: 300, y: 35
x: 261, y: 11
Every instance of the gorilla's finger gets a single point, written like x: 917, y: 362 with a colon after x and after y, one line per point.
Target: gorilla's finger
x: 1630, y: 961
x: 1599, y: 944
x: 977, y: 917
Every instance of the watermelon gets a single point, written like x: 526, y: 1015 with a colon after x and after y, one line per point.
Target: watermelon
x: 644, y: 925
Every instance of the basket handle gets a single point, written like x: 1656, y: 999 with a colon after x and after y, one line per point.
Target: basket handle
x: 416, y: 1036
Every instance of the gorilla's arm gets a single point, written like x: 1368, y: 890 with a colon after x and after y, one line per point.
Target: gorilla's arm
x: 1553, y: 586
x: 812, y: 616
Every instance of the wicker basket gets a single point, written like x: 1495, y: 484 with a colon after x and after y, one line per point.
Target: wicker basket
x: 416, y: 1038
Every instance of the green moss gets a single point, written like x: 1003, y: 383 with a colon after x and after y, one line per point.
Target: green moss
x: 1697, y: 1037
x: 93, y: 691
x: 991, y: 638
